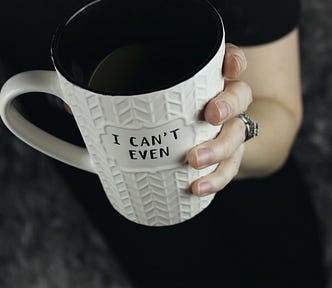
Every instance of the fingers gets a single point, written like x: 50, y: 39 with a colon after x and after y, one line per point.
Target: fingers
x: 222, y: 147
x: 233, y: 101
x: 235, y: 62
x: 222, y: 176
x: 227, y: 148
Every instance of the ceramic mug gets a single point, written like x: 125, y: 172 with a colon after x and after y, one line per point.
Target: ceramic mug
x: 137, y: 138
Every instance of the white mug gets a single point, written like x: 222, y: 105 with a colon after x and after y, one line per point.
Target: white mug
x: 136, y: 140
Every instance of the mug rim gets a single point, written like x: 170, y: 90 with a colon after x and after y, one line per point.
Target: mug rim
x: 60, y: 69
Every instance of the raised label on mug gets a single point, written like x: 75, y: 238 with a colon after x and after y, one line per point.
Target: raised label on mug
x: 159, y: 147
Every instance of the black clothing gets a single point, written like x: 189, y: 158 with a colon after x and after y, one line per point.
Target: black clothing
x: 256, y: 233
x: 27, y: 27
x: 256, y: 22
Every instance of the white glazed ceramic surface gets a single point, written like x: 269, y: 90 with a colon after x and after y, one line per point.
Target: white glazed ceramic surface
x: 136, y: 144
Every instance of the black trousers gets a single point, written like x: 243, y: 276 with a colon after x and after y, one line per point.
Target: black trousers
x: 256, y: 233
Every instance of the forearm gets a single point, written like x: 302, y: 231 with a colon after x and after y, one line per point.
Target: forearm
x: 272, y: 77
x: 278, y: 128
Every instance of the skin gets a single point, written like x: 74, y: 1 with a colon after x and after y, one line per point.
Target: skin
x: 263, y: 81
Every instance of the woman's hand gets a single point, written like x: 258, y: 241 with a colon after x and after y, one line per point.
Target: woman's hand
x: 227, y: 148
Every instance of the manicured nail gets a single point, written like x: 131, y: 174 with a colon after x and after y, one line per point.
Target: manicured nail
x: 204, y: 188
x: 204, y: 156
x: 224, y: 110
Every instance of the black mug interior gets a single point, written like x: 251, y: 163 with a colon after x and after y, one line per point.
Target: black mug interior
x: 186, y: 35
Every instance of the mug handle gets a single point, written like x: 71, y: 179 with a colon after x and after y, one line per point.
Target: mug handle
x: 47, y: 82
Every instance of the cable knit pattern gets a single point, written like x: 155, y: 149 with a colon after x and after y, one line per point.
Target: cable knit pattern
x: 155, y: 193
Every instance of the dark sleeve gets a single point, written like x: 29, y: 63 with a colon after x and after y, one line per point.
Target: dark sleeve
x: 253, y: 22
x: 26, y: 29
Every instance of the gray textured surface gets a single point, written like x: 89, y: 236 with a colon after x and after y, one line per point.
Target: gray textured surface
x: 46, y: 239
x: 314, y: 144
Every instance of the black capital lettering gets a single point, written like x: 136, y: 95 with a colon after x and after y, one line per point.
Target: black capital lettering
x: 132, y: 154
x: 164, y: 152
x: 175, y: 134
x: 132, y: 141
x: 116, y: 139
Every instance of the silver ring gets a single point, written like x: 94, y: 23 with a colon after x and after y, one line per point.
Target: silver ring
x: 251, y: 126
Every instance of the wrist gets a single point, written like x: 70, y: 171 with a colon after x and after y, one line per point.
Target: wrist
x: 267, y: 153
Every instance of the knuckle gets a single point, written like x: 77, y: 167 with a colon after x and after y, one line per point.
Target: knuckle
x: 241, y: 149
x: 240, y: 86
x: 235, y: 169
x: 224, y: 181
x: 237, y: 160
x: 250, y: 94
x: 226, y: 150
x: 240, y: 95
x: 241, y: 128
x: 246, y: 91
x: 221, y: 178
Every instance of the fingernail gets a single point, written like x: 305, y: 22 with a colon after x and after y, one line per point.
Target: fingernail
x: 204, y: 188
x: 224, y: 110
x: 240, y: 58
x: 204, y: 156
x: 240, y: 62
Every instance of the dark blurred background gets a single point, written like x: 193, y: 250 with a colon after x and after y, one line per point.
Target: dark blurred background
x: 47, y: 240
x: 313, y: 148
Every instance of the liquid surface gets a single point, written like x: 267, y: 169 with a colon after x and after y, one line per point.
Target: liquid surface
x: 143, y: 67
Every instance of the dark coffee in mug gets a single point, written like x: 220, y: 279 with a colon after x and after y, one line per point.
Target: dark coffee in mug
x: 136, y: 75
x: 145, y: 66
x: 133, y: 47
